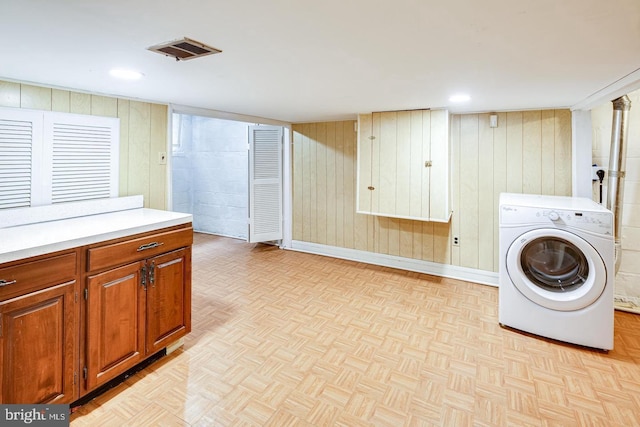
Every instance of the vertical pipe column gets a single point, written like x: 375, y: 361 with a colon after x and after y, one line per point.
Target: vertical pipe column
x: 617, y: 166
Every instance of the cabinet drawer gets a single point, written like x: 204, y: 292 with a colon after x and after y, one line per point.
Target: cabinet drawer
x: 33, y: 275
x: 113, y: 254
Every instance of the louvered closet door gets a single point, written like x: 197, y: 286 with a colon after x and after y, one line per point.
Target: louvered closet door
x: 83, y: 156
x: 18, y: 131
x: 265, y: 183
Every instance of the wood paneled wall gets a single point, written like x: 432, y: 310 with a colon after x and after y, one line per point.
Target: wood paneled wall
x: 143, y: 132
x: 529, y: 152
x: 324, y: 182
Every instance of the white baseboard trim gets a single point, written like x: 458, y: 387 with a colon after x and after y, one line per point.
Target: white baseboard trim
x: 244, y: 239
x: 625, y: 303
x: 443, y: 270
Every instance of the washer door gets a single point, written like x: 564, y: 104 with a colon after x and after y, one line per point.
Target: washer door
x: 556, y: 269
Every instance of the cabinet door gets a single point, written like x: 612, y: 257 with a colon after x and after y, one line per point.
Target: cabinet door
x: 403, y: 164
x: 364, y: 154
x: 420, y: 153
x: 168, y: 298
x: 384, y: 164
x: 403, y: 167
x: 386, y: 167
x: 38, y: 347
x: 115, y: 323
x: 439, y: 199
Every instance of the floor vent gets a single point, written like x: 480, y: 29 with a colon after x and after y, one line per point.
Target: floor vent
x: 184, y: 49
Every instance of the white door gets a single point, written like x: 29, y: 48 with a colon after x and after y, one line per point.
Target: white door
x: 556, y: 269
x: 265, y: 183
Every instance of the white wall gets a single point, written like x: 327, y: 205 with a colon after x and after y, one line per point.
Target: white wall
x: 628, y: 278
x: 181, y: 171
x: 210, y: 175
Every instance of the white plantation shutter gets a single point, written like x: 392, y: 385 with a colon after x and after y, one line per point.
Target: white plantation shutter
x: 18, y: 130
x: 50, y: 157
x: 83, y: 158
x: 265, y: 183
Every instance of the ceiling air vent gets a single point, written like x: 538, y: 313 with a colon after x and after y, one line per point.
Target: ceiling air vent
x: 184, y: 49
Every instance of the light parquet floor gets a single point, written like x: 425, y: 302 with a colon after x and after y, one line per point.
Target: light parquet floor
x: 289, y: 339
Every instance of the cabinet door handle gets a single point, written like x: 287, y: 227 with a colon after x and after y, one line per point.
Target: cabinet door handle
x: 152, y: 274
x: 7, y: 282
x: 143, y: 277
x: 149, y: 246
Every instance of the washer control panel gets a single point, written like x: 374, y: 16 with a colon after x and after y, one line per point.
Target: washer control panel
x: 596, y: 222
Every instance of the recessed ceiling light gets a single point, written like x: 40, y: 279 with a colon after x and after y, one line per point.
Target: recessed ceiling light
x: 122, y: 73
x: 460, y: 97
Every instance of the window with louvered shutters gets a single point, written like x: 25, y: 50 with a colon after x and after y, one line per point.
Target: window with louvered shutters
x: 265, y: 183
x: 48, y: 158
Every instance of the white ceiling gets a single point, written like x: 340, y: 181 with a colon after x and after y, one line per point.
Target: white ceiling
x: 298, y: 60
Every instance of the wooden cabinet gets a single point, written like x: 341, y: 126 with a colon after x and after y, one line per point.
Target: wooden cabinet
x: 73, y: 320
x: 403, y: 165
x: 136, y: 309
x: 38, y: 330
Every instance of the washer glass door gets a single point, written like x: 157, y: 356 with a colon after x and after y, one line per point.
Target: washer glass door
x: 554, y: 264
x: 556, y: 269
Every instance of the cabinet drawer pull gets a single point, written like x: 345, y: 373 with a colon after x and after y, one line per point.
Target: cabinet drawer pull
x: 7, y: 283
x: 149, y: 246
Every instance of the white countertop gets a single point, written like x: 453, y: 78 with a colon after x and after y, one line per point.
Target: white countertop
x: 40, y: 238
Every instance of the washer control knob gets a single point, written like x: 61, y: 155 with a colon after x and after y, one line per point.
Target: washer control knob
x: 553, y: 216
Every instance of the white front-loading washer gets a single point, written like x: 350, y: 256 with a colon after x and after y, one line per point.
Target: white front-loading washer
x: 556, y: 268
